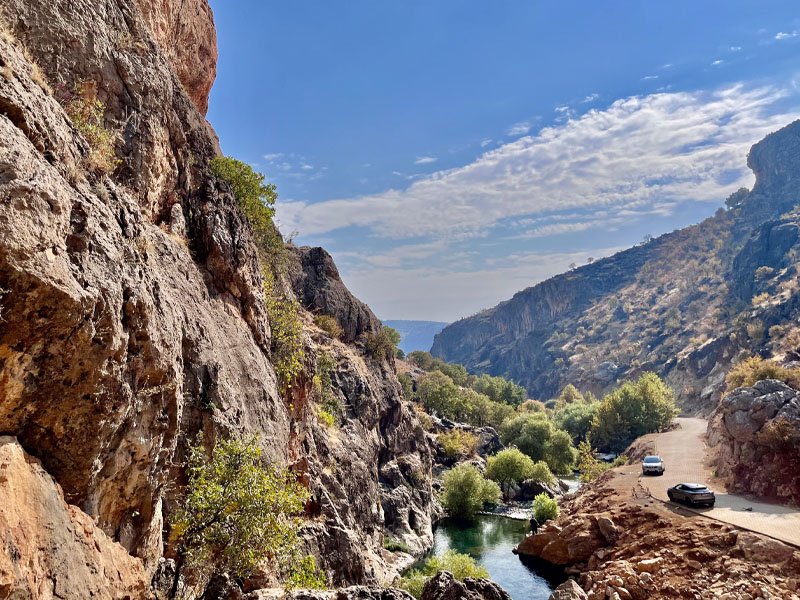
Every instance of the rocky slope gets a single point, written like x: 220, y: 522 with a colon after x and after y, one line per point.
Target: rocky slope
x: 624, y: 546
x: 684, y: 305
x: 756, y: 435
x: 133, y: 317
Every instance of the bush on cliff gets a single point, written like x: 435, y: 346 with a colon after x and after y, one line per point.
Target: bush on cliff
x: 382, y: 344
x: 237, y: 513
x: 458, y: 443
x: 747, y: 372
x: 87, y: 114
x: 329, y: 325
x: 466, y: 491
x: 632, y: 410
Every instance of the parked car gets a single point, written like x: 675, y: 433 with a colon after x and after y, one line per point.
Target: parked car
x: 652, y: 465
x: 693, y: 494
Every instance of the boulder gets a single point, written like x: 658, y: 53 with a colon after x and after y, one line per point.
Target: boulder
x: 51, y: 549
x: 569, y: 590
x: 443, y: 586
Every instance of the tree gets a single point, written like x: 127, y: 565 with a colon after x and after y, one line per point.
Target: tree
x: 393, y: 335
x: 407, y: 383
x: 439, y: 394
x: 237, y: 513
x: 466, y: 491
x: 560, y: 453
x: 382, y: 344
x: 509, y: 467
x: 634, y: 409
x: 589, y: 467
x: 460, y: 565
x: 569, y: 395
x: 529, y: 432
x: 544, y: 508
x: 576, y: 419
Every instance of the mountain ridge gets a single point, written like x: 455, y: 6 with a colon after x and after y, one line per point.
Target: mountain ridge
x: 546, y: 335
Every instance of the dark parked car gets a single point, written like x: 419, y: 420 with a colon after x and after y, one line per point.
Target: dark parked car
x: 653, y: 464
x: 693, y: 494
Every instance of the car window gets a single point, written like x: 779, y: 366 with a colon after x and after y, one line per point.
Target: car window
x: 679, y: 486
x: 652, y: 459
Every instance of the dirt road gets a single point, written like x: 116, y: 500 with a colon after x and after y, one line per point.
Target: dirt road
x: 684, y: 453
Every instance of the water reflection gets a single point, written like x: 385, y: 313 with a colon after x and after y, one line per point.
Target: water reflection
x: 489, y: 540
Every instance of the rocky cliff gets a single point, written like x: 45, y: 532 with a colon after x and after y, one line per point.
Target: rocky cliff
x: 132, y: 313
x: 684, y: 305
x: 756, y: 434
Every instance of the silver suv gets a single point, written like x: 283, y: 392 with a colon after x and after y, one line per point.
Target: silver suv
x: 652, y: 465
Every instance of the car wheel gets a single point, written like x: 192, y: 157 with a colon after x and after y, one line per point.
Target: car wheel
x: 671, y: 497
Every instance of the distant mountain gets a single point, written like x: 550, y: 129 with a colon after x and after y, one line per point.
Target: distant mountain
x: 686, y: 305
x: 416, y: 335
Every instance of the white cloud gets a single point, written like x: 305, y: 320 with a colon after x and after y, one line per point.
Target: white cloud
x: 306, y: 167
x: 716, y: 62
x: 639, y: 151
x: 425, y: 160
x: 366, y: 165
x: 649, y: 77
x: 273, y: 157
x: 782, y: 35
x: 520, y: 128
x: 590, y: 98
x: 485, y: 143
x: 736, y: 48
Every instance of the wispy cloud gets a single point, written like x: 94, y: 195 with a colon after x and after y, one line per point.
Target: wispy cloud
x: 273, y: 157
x: 644, y: 149
x: 649, y: 77
x: 590, y: 98
x: 306, y: 167
x: 425, y: 160
x: 485, y: 143
x: 716, y: 62
x: 736, y: 48
x: 520, y: 128
x: 782, y: 35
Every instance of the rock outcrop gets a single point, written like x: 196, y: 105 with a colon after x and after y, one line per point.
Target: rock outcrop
x: 443, y: 586
x: 569, y: 590
x: 623, y: 548
x: 51, y: 549
x: 186, y: 33
x: 756, y: 433
x: 679, y: 305
x: 133, y: 316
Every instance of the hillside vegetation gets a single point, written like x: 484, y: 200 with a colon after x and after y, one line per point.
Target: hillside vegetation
x: 686, y: 305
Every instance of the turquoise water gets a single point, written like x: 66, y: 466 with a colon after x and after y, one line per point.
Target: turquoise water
x: 489, y: 540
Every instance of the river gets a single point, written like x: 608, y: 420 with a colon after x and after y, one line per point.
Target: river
x: 489, y: 540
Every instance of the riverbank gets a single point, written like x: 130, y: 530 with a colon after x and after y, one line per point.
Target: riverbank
x: 621, y: 543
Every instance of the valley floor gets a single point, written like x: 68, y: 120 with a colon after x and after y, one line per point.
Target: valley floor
x: 685, y: 454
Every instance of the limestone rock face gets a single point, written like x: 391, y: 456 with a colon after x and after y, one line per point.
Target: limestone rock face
x: 569, y: 590
x: 187, y: 36
x: 443, y: 586
x: 757, y: 433
x: 133, y: 318
x: 316, y: 281
x: 50, y: 549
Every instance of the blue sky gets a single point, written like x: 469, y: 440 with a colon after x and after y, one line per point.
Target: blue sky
x: 448, y: 153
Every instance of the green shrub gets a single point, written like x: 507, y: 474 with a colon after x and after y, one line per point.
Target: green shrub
x: 620, y: 461
x: 466, y: 491
x: 329, y: 325
x: 326, y: 418
x: 764, y: 272
x: 255, y: 198
x: 407, y: 384
x: 747, y: 372
x: 237, y: 513
x: 381, y: 344
x: 544, y: 508
x: 589, y: 467
x: 458, y: 443
x: 632, y: 410
x: 287, y: 330
x: 87, y: 114
x: 460, y: 565
x: 393, y: 545
x: 509, y: 467
x: 304, y: 575
x: 535, y: 435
